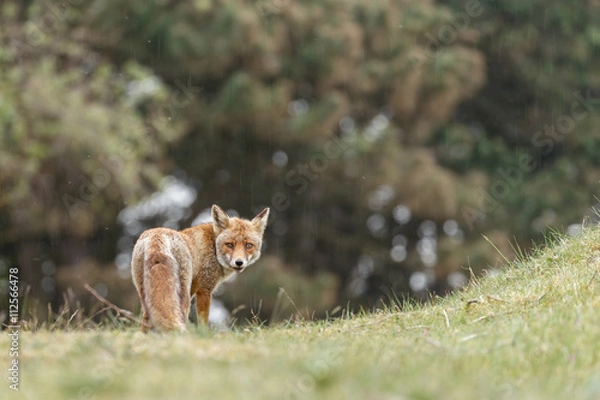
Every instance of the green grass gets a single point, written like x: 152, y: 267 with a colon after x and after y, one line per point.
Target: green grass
x: 531, y: 331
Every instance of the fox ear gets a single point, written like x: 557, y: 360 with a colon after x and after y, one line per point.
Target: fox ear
x: 220, y: 218
x: 260, y: 221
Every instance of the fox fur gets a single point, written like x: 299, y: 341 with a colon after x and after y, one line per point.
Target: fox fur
x: 170, y: 267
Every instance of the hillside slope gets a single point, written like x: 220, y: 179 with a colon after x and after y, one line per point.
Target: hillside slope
x: 531, y: 331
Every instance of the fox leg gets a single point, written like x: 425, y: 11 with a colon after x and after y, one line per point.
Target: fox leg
x: 185, y: 305
x: 145, y: 321
x: 146, y: 317
x: 203, y: 306
x: 185, y: 285
x: 193, y: 316
x: 137, y: 272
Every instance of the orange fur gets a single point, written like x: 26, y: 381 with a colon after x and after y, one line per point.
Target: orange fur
x: 170, y: 267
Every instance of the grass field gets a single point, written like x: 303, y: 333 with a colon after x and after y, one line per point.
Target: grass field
x: 531, y: 331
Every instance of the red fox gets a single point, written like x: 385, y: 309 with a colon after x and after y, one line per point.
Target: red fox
x: 170, y: 267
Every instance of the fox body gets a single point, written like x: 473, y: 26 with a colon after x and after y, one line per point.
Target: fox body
x: 170, y: 267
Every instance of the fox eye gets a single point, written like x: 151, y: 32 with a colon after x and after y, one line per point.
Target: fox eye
x: 229, y: 245
x: 249, y: 246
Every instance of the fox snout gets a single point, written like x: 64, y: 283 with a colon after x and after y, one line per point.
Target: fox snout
x: 237, y: 256
x: 238, y: 241
x: 238, y: 261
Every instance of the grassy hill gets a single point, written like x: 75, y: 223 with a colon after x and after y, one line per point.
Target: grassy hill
x: 531, y: 331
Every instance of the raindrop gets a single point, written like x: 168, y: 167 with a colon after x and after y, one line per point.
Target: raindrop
x: 365, y: 267
x: 48, y: 267
x: 376, y: 223
x: 280, y: 158
x: 402, y: 214
x: 380, y: 122
x: 450, y: 227
x: 574, y: 229
x: 427, y: 228
x: 347, y: 124
x: 48, y: 284
x: 376, y: 128
x: 398, y: 253
x: 456, y: 280
x: 297, y: 107
x: 426, y: 245
x: 418, y: 281
x: 400, y: 240
x: 123, y: 261
x: 429, y: 259
x: 381, y: 196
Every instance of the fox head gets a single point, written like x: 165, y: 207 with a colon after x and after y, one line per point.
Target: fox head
x: 238, y: 241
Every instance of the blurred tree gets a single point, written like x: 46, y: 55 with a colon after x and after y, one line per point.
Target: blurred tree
x: 304, y: 103
x: 80, y: 139
x: 386, y: 136
x: 535, y: 119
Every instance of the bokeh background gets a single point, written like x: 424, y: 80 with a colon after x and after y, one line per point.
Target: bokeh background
x: 403, y: 146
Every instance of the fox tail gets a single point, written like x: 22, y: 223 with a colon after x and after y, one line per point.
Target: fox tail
x: 163, y: 293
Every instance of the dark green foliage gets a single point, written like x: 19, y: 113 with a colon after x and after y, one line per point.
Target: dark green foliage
x: 474, y: 116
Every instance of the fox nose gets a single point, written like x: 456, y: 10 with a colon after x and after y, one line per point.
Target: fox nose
x: 239, y: 263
